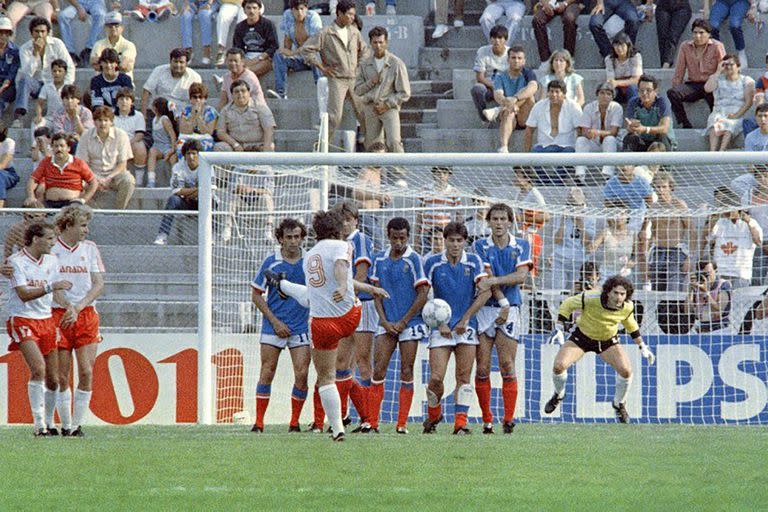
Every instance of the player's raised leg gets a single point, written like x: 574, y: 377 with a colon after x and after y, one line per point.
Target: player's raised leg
x: 300, y: 357
x: 617, y: 358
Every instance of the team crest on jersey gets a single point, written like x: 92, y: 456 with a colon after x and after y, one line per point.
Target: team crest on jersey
x: 467, y: 271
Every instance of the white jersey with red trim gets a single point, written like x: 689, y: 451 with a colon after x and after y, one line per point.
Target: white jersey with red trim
x: 75, y: 265
x: 27, y: 271
x: 321, y: 283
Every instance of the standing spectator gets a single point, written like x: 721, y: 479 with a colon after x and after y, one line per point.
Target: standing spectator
x: 534, y: 217
x: 237, y: 71
x: 710, y: 299
x: 230, y: 12
x: 648, y: 118
x: 599, y: 126
x: 132, y: 122
x: 203, y: 11
x: 573, y: 235
x: 82, y: 8
x: 554, y: 120
x: 44, y: 9
x: 490, y: 60
x: 163, y: 140
x: 252, y: 189
x: 544, y: 12
x: 104, y: 86
x: 8, y: 176
x: 757, y: 140
x: 106, y: 150
x: 697, y: 59
x: 197, y: 121
x: 756, y: 198
x: 735, y: 11
x: 512, y: 10
x: 668, y: 259
x: 383, y: 86
x: 126, y: 50
x: 441, y: 17
x: 298, y: 25
x: 257, y: 36
x: 438, y: 202
x: 245, y: 125
x: 514, y: 91
x: 73, y: 118
x: 618, y: 243
x: 367, y: 193
x: 170, y: 81
x: 561, y: 68
x: 183, y: 187
x: 672, y: 16
x: 735, y: 238
x: 10, y: 62
x: 602, y: 11
x: 733, y: 93
x: 623, y: 68
x: 628, y: 190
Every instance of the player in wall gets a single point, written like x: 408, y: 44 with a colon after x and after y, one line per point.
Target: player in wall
x: 596, y: 331
x: 398, y: 270
x: 454, y: 276
x: 508, y: 261
x: 286, y: 322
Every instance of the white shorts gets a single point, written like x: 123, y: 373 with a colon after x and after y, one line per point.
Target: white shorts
x: 415, y: 333
x: 486, y: 322
x: 437, y: 340
x: 295, y: 341
x: 369, y: 320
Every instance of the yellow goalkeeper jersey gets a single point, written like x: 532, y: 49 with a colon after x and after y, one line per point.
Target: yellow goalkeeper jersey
x: 596, y: 321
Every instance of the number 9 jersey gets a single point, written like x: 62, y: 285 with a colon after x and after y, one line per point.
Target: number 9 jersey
x: 321, y: 283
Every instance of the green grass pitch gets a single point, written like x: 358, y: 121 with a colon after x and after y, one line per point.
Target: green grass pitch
x: 539, y: 467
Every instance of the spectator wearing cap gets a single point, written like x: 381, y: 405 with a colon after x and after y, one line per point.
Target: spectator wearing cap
x: 599, y: 126
x: 105, y: 86
x: 237, y: 71
x: 82, y: 9
x: 298, y: 24
x: 203, y: 11
x: 245, y: 125
x: 170, y: 81
x: 648, y: 118
x: 10, y: 62
x: 490, y: 60
x: 257, y: 36
x: 559, y: 137
x: 73, y: 118
x: 113, y: 27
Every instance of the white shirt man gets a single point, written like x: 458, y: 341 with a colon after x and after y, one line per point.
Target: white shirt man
x: 735, y: 239
x: 568, y: 121
x: 598, y: 128
x: 75, y: 265
x: 31, y: 272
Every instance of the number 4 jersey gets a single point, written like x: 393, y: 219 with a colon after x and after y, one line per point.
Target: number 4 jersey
x: 321, y: 282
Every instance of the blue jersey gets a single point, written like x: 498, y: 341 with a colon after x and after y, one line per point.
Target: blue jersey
x: 362, y: 248
x: 504, y: 260
x: 288, y: 311
x: 455, y: 284
x: 401, y: 278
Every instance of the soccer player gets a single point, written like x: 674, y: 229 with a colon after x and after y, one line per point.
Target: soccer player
x: 454, y: 276
x: 80, y: 263
x: 399, y: 271
x: 31, y: 326
x: 508, y: 260
x: 597, y: 331
x: 286, y: 322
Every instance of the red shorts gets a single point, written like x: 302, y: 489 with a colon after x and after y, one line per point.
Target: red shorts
x: 85, y: 330
x: 41, y: 331
x: 326, y: 332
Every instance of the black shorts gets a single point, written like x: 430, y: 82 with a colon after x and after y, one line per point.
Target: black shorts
x: 587, y: 344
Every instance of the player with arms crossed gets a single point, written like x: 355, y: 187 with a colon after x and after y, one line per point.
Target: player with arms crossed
x: 508, y: 260
x: 285, y: 324
x: 399, y: 271
x: 596, y: 331
x: 454, y: 276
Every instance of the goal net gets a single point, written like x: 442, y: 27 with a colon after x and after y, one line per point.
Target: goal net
x: 687, y: 233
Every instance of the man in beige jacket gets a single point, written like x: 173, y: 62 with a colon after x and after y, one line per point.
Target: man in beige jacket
x: 382, y: 85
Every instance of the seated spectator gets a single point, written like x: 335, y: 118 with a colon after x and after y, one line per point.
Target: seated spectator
x: 257, y: 37
x: 648, y: 119
x: 298, y: 25
x: 573, y: 234
x: 104, y: 86
x: 514, y: 91
x: 561, y: 68
x: 757, y: 140
x: 73, y: 118
x: 668, y: 259
x: 59, y: 177
x: 170, y: 81
x: 132, y: 122
x: 183, y: 187
x: 106, y: 150
x: 623, y: 68
x: 126, y: 50
x: 558, y: 136
x: 490, y: 60
x: 245, y: 125
x: 49, y: 97
x: 599, y: 126
x: 10, y: 62
x: 735, y: 238
x: 17, y: 9
x: 203, y: 10
x: 163, y: 140
x: 82, y: 8
x: 41, y: 147
x: 709, y: 299
x: 618, y: 243
x: 512, y: 10
x: 733, y: 93
x: 441, y: 17
x: 602, y: 11
x: 197, y: 121
x: 8, y: 176
x: 749, y: 124
x: 672, y: 17
x: 735, y: 11
x: 230, y: 12
x: 697, y: 59
x: 628, y: 190
x: 237, y: 71
x: 438, y: 202
x: 252, y: 188
x: 756, y: 198
x: 544, y: 12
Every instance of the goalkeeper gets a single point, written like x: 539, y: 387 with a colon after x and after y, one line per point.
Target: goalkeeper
x: 596, y: 331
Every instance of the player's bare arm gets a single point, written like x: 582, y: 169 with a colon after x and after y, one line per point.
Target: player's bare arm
x: 480, y: 299
x: 28, y: 293
x: 421, y: 299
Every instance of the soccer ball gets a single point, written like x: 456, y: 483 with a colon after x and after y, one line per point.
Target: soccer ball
x: 436, y: 312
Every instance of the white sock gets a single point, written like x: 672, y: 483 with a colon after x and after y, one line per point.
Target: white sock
x: 36, y: 392
x: 296, y: 291
x: 559, y: 380
x: 64, y: 407
x: 622, y: 388
x: 50, y: 407
x: 329, y: 396
x: 139, y: 174
x: 82, y: 400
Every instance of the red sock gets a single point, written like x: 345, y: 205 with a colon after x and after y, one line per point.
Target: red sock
x: 460, y: 421
x: 404, y: 405
x: 261, y: 408
x: 298, y: 396
x: 433, y: 413
x: 344, y: 387
x: 375, y: 396
x: 359, y: 396
x: 318, y: 406
x: 483, y: 390
x: 509, y: 392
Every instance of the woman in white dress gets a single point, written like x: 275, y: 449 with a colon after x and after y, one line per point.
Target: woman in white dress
x: 733, y: 98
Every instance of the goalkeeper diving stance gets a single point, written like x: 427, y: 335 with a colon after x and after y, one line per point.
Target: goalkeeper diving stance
x: 596, y: 331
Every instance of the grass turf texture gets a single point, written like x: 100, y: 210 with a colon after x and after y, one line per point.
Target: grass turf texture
x: 544, y: 467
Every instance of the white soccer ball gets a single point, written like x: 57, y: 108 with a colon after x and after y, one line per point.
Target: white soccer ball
x: 241, y: 418
x: 436, y: 312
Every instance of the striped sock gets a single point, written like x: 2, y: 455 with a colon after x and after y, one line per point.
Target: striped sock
x: 483, y: 390
x: 404, y: 403
x: 376, y: 395
x: 344, y: 383
x: 298, y: 396
x: 509, y: 393
x: 263, y: 391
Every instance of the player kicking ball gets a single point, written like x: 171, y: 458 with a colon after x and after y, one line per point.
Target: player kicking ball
x: 454, y: 276
x: 399, y: 271
x: 597, y: 331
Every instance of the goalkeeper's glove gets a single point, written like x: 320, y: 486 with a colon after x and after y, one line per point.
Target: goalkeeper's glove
x: 646, y: 353
x: 557, y: 337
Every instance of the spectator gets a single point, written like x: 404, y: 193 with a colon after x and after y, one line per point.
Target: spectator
x: 170, y: 81
x: 648, y: 118
x: 61, y: 176
x: 126, y: 50
x: 668, y: 259
x: 8, y: 176
x: 697, y: 60
x: 544, y: 12
x: 238, y: 71
x: 514, y: 91
x: 589, y: 278
x: 602, y: 11
x: 367, y: 193
x: 230, y: 12
x: 561, y: 68
x: 573, y: 234
x: 41, y: 147
x: 735, y: 11
x: 49, y: 97
x: 757, y: 140
x: 477, y: 226
x: 672, y: 17
x: 382, y: 85
x: 733, y: 93
x: 512, y: 10
x: 245, y: 125
x: 203, y: 10
x: 132, y: 122
x: 257, y: 36
x: 618, y: 243
x: 163, y: 140
x: 82, y: 8
x: 438, y: 203
x: 14, y: 236
x: 17, y: 9
x: 490, y: 60
x: 183, y: 187
x: 599, y: 126
x: 73, y: 118
x: 252, y: 188
x: 761, y: 84
x: 441, y: 17
x: 197, y: 121
x: 533, y: 218
x: 298, y: 25
x: 558, y: 136
x: 391, y: 7
x: 623, y: 68
x: 735, y: 238
x: 710, y: 299
x: 104, y: 86
x: 336, y: 51
x: 756, y: 198
x: 628, y: 190
x: 10, y: 62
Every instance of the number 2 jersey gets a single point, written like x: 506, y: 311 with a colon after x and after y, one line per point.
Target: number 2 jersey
x: 455, y: 284
x: 401, y: 278
x: 28, y: 271
x: 319, y: 263
x: 75, y: 265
